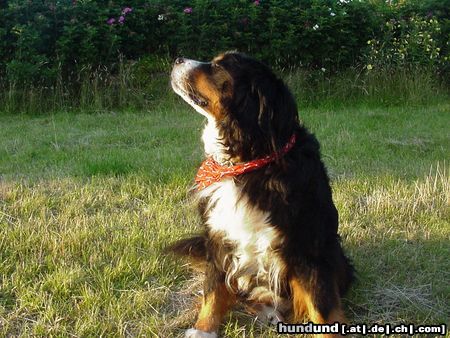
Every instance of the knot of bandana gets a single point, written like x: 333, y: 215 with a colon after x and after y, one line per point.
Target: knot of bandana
x: 211, y: 171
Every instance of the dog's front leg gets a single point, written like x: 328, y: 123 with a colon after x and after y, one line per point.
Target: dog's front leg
x: 217, y: 300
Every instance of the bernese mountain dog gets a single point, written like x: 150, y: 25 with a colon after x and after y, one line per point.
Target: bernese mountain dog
x: 270, y: 237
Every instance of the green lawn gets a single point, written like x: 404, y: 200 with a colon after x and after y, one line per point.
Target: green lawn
x: 87, y: 201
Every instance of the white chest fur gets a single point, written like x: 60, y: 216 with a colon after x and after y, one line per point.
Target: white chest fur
x: 254, y: 261
x: 213, y: 143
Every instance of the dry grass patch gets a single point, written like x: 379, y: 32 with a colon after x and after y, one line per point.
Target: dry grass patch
x: 82, y: 225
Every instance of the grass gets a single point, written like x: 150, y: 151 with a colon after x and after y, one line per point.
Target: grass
x: 140, y: 85
x: 87, y: 201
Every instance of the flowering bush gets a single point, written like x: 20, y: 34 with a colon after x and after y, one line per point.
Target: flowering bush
x: 408, y: 41
x: 43, y: 40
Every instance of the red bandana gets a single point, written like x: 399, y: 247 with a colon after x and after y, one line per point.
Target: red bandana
x: 211, y: 171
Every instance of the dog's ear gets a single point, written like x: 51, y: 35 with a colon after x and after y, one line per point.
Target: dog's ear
x: 277, y: 112
x: 263, y: 110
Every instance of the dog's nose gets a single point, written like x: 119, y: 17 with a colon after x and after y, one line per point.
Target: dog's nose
x: 179, y: 60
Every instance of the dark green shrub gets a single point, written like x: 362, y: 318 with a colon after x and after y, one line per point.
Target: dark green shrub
x: 39, y: 38
x: 74, y: 50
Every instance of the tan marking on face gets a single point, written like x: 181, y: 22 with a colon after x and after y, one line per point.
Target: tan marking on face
x: 213, y: 87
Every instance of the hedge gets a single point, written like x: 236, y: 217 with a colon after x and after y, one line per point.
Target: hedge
x: 40, y: 41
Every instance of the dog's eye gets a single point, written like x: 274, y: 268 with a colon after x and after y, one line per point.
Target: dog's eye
x: 215, y: 66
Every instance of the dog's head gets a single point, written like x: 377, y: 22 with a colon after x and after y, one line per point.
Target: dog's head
x: 252, y: 109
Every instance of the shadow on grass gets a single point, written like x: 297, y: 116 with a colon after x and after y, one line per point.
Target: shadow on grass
x: 397, y: 282
x: 400, y: 281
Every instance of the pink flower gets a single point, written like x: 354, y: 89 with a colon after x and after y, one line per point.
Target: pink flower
x: 256, y: 2
x: 121, y: 19
x: 111, y: 21
x: 188, y: 10
x: 127, y: 10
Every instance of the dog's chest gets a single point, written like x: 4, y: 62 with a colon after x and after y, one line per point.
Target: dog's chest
x: 254, y: 259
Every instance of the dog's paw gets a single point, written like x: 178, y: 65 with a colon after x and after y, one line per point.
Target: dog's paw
x: 274, y: 318
x: 269, y: 315
x: 194, y: 333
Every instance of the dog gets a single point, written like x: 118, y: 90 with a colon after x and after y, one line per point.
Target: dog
x: 270, y: 235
